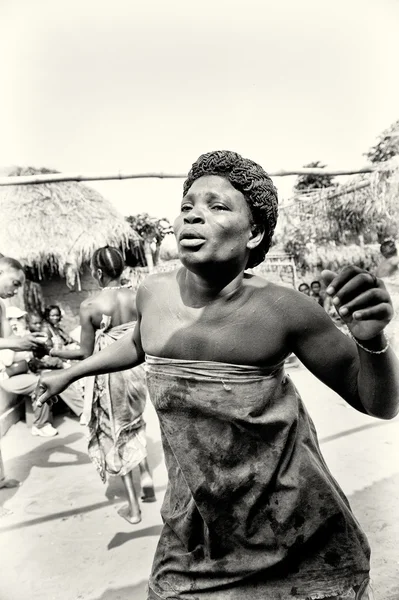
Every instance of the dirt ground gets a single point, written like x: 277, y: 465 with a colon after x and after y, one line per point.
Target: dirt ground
x: 62, y: 539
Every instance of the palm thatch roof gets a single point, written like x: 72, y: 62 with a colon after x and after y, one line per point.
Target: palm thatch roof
x: 56, y: 227
x: 366, y: 201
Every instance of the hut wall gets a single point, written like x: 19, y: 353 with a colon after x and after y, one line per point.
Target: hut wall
x: 55, y: 291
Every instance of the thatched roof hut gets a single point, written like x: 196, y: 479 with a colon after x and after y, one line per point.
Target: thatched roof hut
x: 54, y: 228
x: 366, y: 205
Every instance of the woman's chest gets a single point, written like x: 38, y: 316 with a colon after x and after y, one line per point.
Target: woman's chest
x: 232, y: 334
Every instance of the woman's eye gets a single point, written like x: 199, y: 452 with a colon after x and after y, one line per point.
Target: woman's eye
x: 186, y: 208
x: 218, y: 207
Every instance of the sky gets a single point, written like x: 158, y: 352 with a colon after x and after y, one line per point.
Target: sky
x: 95, y: 86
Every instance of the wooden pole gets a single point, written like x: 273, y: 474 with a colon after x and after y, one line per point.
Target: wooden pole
x: 318, y: 171
x: 56, y: 177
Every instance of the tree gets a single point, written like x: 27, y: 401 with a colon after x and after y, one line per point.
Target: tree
x: 308, y: 182
x: 387, y: 146
x: 152, y: 230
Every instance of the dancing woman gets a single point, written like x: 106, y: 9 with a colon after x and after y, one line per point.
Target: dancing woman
x: 251, y: 509
x: 114, y: 403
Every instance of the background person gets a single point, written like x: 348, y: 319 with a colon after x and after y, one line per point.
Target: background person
x: 114, y: 403
x: 316, y: 293
x: 390, y: 261
x: 304, y: 289
x: 12, y: 278
x: 23, y: 374
x: 58, y: 336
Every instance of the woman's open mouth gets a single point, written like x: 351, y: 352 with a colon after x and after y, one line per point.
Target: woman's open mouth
x: 191, y: 239
x: 191, y: 242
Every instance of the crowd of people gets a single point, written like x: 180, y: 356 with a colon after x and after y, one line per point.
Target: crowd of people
x: 314, y: 290
x: 110, y: 406
x: 251, y: 509
x: 21, y: 370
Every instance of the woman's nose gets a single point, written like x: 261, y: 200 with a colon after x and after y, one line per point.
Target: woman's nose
x: 194, y: 216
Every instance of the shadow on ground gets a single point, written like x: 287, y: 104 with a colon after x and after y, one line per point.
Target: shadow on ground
x: 122, y: 537
x: 21, y: 466
x: 345, y: 433
x: 130, y: 592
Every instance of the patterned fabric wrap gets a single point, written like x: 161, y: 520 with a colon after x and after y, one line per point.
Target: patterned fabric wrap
x: 251, y: 510
x: 114, y: 403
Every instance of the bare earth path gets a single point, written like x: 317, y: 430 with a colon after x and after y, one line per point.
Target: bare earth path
x: 62, y: 539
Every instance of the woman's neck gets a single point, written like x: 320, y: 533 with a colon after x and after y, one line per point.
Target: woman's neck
x: 112, y: 283
x: 198, y: 291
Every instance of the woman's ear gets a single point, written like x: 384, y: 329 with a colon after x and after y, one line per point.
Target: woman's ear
x: 99, y: 274
x: 257, y: 235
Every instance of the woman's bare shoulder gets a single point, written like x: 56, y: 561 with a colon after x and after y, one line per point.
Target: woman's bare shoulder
x: 157, y: 281
x: 89, y: 302
x: 270, y: 289
x: 295, y: 308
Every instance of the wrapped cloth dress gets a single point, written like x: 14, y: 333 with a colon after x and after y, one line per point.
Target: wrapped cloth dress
x: 114, y: 406
x: 251, y: 511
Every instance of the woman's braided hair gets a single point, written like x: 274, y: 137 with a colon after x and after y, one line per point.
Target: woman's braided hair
x: 253, y: 182
x: 109, y: 260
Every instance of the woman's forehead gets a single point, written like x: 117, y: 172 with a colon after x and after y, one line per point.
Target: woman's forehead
x: 213, y: 184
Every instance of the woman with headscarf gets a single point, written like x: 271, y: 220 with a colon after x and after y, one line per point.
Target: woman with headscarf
x: 251, y: 509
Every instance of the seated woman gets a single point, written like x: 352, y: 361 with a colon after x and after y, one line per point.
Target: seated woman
x: 58, y: 336
x: 251, y: 509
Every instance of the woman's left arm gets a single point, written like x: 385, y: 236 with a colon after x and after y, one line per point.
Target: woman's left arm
x: 363, y: 370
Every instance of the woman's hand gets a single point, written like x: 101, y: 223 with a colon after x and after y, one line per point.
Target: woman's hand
x: 361, y: 300
x: 30, y: 341
x: 50, y: 385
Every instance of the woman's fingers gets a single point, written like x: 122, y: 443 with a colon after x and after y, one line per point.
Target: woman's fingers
x: 335, y: 282
x: 351, y: 302
x: 351, y: 281
x: 379, y: 312
x: 328, y: 277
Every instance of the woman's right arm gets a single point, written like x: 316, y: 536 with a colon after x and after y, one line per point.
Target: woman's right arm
x: 124, y: 354
x: 119, y: 356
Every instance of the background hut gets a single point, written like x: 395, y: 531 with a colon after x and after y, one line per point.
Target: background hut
x: 53, y: 230
x: 332, y: 227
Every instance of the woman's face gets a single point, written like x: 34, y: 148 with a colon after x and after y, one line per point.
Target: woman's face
x: 54, y: 316
x: 214, y: 225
